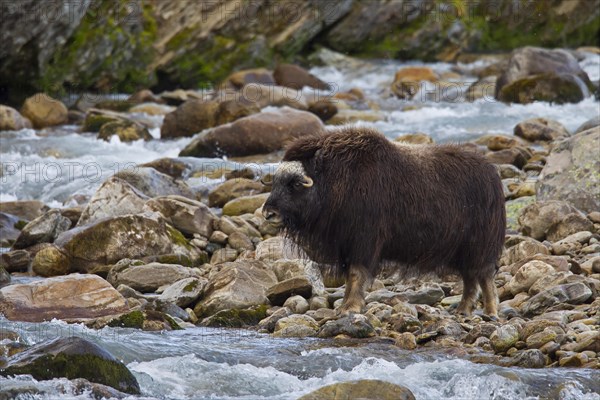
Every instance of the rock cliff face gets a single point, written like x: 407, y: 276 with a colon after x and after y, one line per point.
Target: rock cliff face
x: 121, y: 45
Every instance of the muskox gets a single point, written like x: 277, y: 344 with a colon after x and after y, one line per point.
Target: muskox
x: 353, y: 199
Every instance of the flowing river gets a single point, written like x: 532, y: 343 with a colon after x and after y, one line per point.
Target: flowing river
x: 203, y: 363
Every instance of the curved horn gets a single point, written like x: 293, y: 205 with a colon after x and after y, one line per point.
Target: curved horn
x: 308, y: 182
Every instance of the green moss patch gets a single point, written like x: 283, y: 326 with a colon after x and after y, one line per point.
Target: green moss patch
x: 237, y: 318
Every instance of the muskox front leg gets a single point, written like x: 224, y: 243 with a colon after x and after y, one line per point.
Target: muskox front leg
x: 357, y: 281
x: 469, y: 296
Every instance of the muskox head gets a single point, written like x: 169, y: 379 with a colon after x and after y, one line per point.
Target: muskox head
x: 292, y: 191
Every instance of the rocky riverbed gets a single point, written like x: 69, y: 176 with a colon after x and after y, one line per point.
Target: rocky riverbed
x: 145, y: 209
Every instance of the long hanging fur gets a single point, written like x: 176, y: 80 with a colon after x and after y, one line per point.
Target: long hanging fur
x: 436, y: 208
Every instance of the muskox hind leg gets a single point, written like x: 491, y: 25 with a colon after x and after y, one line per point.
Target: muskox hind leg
x: 490, y: 297
x: 469, y: 296
x: 357, y: 281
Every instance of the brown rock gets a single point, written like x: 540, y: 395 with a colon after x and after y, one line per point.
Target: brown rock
x: 362, y: 389
x: 196, y: 115
x: 278, y: 294
x: 239, y: 79
x: 233, y: 189
x: 11, y: 120
x: 296, y: 77
x: 42, y: 110
x: 537, y: 129
x: 256, y: 134
x: 415, y: 138
x: 516, y: 156
x: 127, y: 131
x: 25, y: 209
x: 89, y: 297
x: 407, y: 81
x: 51, y: 261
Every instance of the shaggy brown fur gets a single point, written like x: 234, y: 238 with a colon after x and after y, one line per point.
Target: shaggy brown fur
x: 437, y: 208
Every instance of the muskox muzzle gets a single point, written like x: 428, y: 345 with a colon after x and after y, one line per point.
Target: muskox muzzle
x: 272, y: 216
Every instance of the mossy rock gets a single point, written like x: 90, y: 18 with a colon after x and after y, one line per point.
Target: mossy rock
x: 551, y: 88
x: 93, y: 122
x: 236, y: 318
x: 367, y: 389
x: 514, y: 209
x: 72, y: 358
x: 127, y: 131
x: 20, y: 224
x: 134, y: 319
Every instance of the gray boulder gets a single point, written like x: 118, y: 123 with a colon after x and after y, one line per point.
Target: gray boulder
x: 44, y: 229
x: 571, y: 172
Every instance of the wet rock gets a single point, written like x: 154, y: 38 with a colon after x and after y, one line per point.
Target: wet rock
x: 130, y: 236
x: 296, y: 77
x: 504, y: 337
x: 256, y: 134
x: 501, y: 142
x: 551, y: 219
x: 8, y: 229
x: 43, y: 111
x: 89, y: 297
x: 232, y: 189
x: 540, y: 74
x: 186, y: 215
x: 73, y: 358
x: 147, y: 277
x: 527, y: 275
x: 278, y: 293
x: 484, y: 88
x: 24, y: 209
x: 11, y: 120
x: 168, y: 166
x: 244, y: 204
x: 576, y: 360
x: 51, y: 261
x: 154, y: 184
x: 269, y: 322
x: 361, y: 389
x: 354, y: 325
x: 15, y: 261
x: 194, y: 116
x: 570, y: 173
x: 540, y: 129
x: 237, y: 285
x: 296, y: 326
x: 239, y: 79
x: 407, y: 81
x: 115, y: 197
x: 297, y: 304
x: 44, y: 229
x: 589, y: 124
x: 572, y: 293
x: 532, y: 358
x: 126, y: 131
x: 275, y: 96
x: 4, y: 277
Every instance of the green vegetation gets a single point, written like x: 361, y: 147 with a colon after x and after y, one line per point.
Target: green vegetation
x: 134, y: 319
x: 234, y: 318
